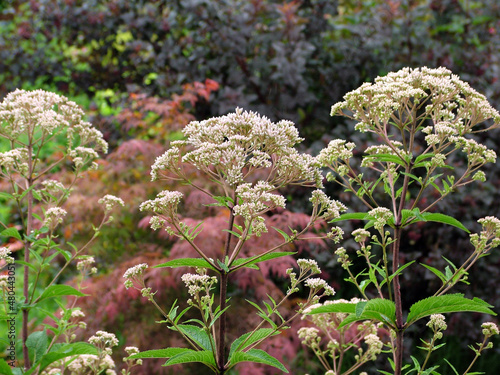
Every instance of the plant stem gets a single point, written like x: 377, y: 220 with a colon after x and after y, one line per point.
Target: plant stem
x: 221, y: 360
x: 27, y: 245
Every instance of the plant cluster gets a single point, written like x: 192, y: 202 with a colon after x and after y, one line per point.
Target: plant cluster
x: 44, y: 132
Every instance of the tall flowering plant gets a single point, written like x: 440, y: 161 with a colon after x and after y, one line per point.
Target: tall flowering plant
x: 250, y: 159
x: 42, y: 133
x: 425, y: 122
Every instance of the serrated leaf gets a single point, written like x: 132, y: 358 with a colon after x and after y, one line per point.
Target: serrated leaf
x: 205, y: 356
x: 66, y: 350
x: 381, y: 310
x: 60, y: 290
x: 197, y: 334
x: 445, y: 219
x: 11, y: 232
x: 186, y: 262
x: 446, y: 304
x: 257, y: 356
x: 160, y: 353
x: 38, y: 342
x: 249, y: 338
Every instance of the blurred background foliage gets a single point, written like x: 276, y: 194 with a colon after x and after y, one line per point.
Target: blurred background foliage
x: 144, y: 69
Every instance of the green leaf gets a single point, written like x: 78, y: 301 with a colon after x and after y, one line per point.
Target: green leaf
x: 5, y: 368
x: 257, y: 356
x: 445, y: 219
x: 352, y: 216
x: 436, y: 272
x: 186, y: 262
x: 258, y: 259
x: 386, y: 158
x: 60, y: 290
x: 381, y: 310
x: 342, y: 307
x: 66, y: 350
x: 160, y: 353
x: 285, y: 236
x: 446, y: 304
x: 11, y: 232
x: 38, y: 342
x: 206, y: 357
x: 197, y: 334
x: 247, y: 339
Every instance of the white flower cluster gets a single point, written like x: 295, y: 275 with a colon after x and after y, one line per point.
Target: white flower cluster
x: 316, y: 284
x: 84, y: 363
x: 168, y: 161
x: 110, y: 202
x: 53, y: 187
x: 5, y: 255
x: 14, y: 160
x: 134, y: 273
x: 489, y: 329
x: 309, y: 336
x: 254, y: 201
x: 86, y: 263
x: 326, y: 208
x: 22, y: 111
x: 375, y: 346
x: 306, y: 265
x: 381, y: 215
x: 103, y: 339
x: 3, y: 280
x: 337, y: 149
x: 198, y: 283
x: 229, y: 147
x: 53, y: 217
x: 360, y: 235
x: 165, y: 203
x: 438, y: 324
x: 489, y: 237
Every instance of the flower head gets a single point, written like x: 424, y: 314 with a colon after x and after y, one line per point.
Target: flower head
x: 110, y: 202
x: 5, y: 255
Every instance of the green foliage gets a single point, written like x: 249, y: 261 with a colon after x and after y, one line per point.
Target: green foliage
x: 446, y: 304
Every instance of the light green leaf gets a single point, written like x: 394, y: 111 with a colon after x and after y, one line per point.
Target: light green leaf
x: 245, y: 340
x: 38, y: 343
x: 60, y: 290
x: 5, y: 368
x: 258, y: 259
x: 206, y: 357
x: 257, y: 356
x: 160, y: 353
x: 445, y: 219
x: 381, y: 310
x: 436, y: 272
x: 342, y: 307
x: 186, y: 262
x: 11, y: 232
x: 352, y: 216
x: 446, y: 304
x: 386, y: 158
